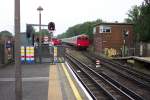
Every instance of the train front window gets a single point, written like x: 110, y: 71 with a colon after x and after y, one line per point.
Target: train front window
x: 79, y: 38
x: 85, y: 38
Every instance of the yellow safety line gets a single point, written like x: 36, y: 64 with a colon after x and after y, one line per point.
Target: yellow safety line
x: 74, y: 89
x: 54, y: 89
x: 49, y: 83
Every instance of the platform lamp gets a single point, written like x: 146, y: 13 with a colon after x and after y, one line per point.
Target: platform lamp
x: 40, y: 9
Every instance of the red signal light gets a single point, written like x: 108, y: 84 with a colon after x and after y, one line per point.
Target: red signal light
x: 51, y: 26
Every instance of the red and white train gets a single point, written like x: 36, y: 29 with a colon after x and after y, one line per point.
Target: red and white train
x: 79, y: 41
x: 56, y: 41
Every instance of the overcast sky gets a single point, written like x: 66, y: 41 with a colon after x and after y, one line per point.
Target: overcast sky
x: 65, y: 13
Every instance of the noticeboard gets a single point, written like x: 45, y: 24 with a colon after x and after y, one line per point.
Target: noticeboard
x: 8, y: 45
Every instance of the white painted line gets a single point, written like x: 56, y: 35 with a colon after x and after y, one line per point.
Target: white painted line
x: 80, y: 84
x: 26, y: 79
x: 73, y: 87
x: 36, y: 79
x: 7, y: 79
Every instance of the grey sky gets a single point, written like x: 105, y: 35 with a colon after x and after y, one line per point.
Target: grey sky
x: 64, y: 13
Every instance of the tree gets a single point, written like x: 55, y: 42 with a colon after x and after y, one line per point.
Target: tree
x: 84, y: 28
x: 147, y: 2
x: 43, y: 32
x: 140, y: 17
x: 133, y: 15
x: 144, y: 22
x: 5, y: 33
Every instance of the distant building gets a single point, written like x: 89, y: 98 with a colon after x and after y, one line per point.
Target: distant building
x: 109, y: 38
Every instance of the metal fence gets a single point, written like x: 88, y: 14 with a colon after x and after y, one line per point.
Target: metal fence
x: 49, y: 54
x: 142, y: 49
x: 2, y: 54
x: 6, y: 56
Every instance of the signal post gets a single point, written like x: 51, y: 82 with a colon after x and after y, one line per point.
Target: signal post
x: 51, y: 28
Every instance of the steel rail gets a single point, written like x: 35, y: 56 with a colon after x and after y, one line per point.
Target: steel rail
x: 126, y: 89
x: 132, y: 77
x: 108, y: 82
x: 84, y: 84
x: 130, y: 70
x: 98, y: 86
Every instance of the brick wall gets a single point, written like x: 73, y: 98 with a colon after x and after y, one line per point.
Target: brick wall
x: 114, y: 39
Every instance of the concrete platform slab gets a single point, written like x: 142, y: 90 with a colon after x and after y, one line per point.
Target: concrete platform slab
x: 41, y: 82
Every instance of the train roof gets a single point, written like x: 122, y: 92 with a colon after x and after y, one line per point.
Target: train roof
x: 81, y: 35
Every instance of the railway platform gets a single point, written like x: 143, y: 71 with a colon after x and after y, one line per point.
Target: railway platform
x: 42, y: 82
x: 63, y: 84
x: 138, y: 63
x: 144, y: 59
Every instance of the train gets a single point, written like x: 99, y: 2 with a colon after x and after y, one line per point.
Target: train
x: 79, y: 41
x: 56, y: 41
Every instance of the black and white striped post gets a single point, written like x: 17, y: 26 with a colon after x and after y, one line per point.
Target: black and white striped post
x: 98, y: 63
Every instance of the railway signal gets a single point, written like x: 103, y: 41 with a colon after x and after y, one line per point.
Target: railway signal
x: 51, y: 26
x: 29, y: 31
x: 125, y: 34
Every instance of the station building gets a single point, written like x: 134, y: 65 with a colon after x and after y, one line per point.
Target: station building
x: 112, y: 38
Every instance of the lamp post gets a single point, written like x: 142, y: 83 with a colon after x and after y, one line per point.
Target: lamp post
x: 18, y: 78
x: 40, y: 9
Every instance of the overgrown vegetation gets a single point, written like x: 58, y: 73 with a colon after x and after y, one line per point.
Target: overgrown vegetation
x: 140, y: 17
x: 84, y: 28
x: 42, y: 32
x: 5, y: 33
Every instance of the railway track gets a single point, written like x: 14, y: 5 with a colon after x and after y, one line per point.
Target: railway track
x: 130, y: 70
x: 127, y: 80
x: 96, y: 82
x: 140, y: 77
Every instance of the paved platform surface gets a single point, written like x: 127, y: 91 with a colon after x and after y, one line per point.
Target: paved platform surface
x: 146, y: 58
x: 40, y: 82
x: 143, y: 59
